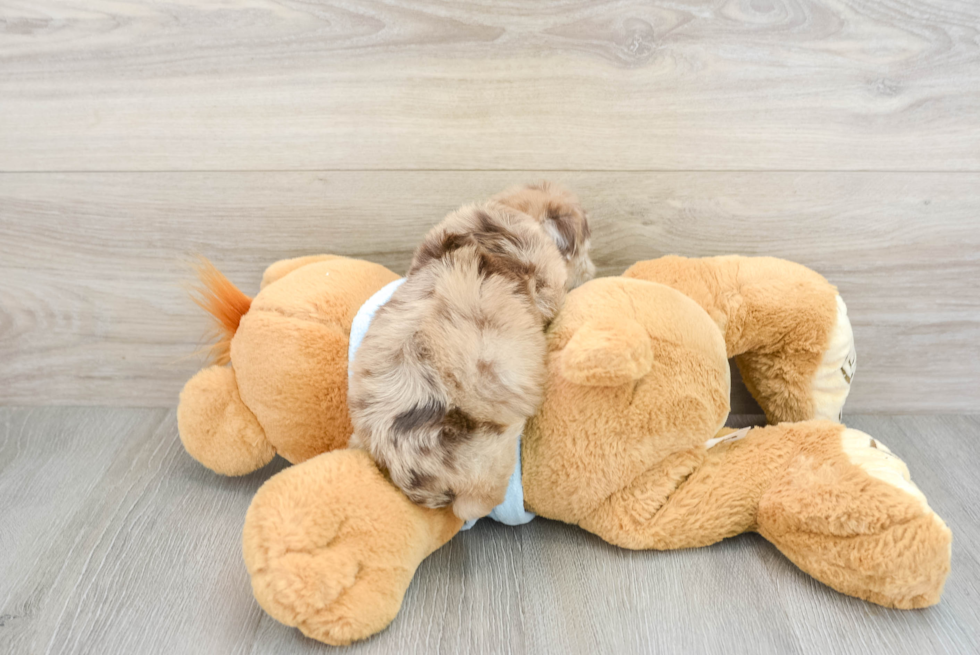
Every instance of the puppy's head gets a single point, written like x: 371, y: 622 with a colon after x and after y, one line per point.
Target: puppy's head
x: 561, y: 215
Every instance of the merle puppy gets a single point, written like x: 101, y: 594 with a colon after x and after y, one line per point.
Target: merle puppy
x: 454, y: 363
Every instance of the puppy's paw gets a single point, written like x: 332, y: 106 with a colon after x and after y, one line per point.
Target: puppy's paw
x: 472, y: 506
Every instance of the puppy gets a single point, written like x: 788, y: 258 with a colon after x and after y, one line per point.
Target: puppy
x: 454, y: 363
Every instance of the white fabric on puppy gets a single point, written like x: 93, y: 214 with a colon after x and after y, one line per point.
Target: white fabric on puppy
x: 362, y: 320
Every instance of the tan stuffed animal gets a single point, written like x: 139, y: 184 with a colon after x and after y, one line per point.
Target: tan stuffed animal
x: 628, y: 443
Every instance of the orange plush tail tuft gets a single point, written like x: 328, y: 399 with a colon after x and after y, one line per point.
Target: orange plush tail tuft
x: 225, y: 302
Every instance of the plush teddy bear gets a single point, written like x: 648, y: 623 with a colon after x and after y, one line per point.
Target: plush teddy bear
x: 628, y: 444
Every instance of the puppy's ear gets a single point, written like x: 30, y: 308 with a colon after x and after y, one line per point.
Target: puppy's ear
x: 607, y: 354
x: 556, y: 208
x: 566, y: 223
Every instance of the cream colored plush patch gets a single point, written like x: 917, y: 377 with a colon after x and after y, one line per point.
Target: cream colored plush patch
x: 731, y: 436
x: 832, y: 381
x: 874, y: 458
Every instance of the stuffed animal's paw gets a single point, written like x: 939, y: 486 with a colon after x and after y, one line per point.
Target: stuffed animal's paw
x: 860, y: 525
x: 832, y: 380
x: 332, y: 546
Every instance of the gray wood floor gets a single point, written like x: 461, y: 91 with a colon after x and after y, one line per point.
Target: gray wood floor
x: 114, y: 541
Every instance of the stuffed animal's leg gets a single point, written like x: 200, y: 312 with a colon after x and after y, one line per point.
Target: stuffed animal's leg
x: 216, y: 427
x: 840, y: 508
x: 860, y: 525
x: 332, y: 546
x: 698, y: 496
x: 785, y: 325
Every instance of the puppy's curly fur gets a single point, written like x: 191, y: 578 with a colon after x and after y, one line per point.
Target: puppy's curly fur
x: 454, y: 363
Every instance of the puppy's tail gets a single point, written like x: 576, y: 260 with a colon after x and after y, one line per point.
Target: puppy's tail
x: 224, y: 302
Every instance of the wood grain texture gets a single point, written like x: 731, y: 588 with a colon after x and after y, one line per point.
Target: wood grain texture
x: 422, y: 84
x: 116, y: 542
x: 92, y: 308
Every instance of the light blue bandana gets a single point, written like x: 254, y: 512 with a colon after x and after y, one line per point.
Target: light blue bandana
x: 509, y: 512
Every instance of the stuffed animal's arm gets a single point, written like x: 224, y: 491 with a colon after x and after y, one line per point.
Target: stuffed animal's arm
x: 331, y: 546
x: 784, y: 324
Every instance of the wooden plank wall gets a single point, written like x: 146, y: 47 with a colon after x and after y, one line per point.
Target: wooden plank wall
x: 844, y: 135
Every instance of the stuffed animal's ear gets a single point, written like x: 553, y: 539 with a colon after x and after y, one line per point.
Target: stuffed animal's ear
x: 607, y: 354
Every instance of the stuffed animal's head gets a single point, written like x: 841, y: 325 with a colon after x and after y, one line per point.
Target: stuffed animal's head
x: 636, y: 371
